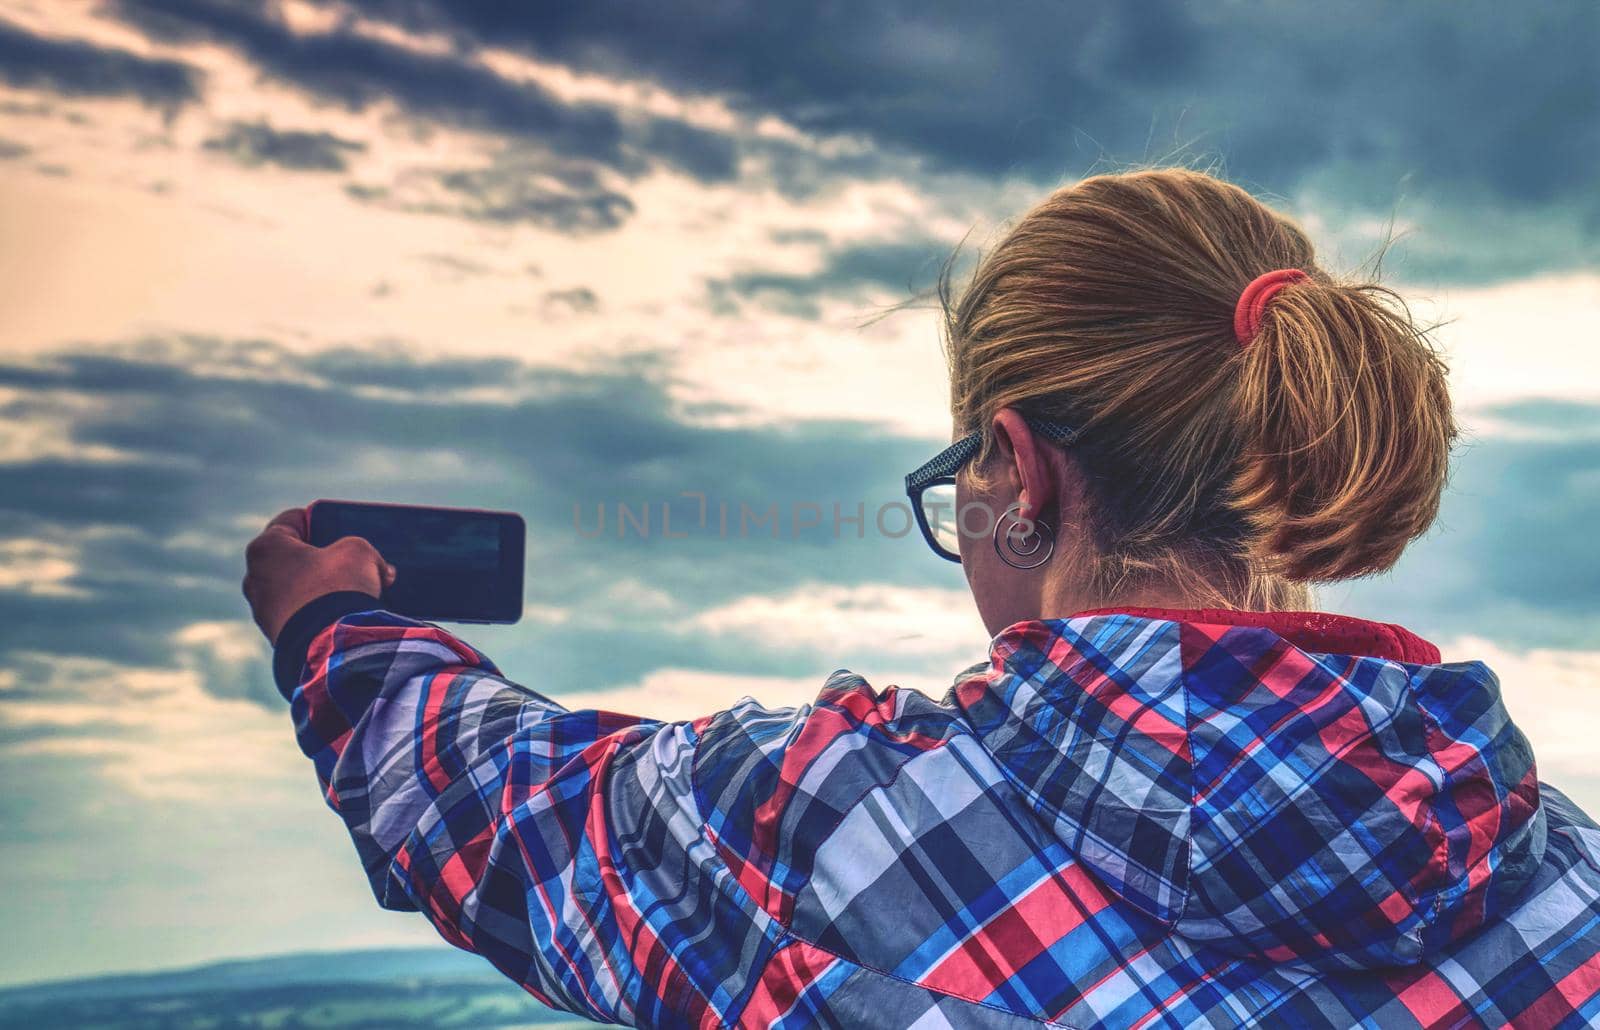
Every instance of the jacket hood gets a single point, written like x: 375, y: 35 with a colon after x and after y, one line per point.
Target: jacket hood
x: 1294, y: 787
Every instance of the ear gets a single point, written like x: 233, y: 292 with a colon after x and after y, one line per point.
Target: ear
x: 1031, y: 465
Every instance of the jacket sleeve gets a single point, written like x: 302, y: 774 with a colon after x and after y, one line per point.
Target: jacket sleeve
x: 564, y: 846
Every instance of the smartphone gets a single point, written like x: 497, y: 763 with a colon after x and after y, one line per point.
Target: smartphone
x: 451, y: 564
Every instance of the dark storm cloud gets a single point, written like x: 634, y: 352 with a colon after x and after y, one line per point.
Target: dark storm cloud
x: 565, y: 165
x: 257, y: 143
x: 1481, y: 93
x: 75, y: 68
x: 943, y: 82
x: 707, y: 156
x: 450, y: 88
x: 211, y: 438
x: 1479, y: 123
x: 1437, y: 117
x: 358, y: 71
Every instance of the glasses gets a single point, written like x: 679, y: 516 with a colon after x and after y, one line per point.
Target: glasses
x: 932, y: 490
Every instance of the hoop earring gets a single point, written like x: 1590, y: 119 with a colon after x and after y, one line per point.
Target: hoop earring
x: 1032, y: 555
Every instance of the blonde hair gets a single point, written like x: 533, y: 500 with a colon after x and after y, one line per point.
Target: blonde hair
x: 1315, y: 453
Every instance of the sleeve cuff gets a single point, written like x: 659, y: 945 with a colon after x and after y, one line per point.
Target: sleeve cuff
x: 289, y: 653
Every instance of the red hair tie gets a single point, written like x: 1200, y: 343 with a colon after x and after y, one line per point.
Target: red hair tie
x: 1253, y: 301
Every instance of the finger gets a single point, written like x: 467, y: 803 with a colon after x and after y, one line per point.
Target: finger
x: 358, y: 551
x: 291, y: 520
x: 361, y: 557
x: 353, y: 544
x: 271, y: 544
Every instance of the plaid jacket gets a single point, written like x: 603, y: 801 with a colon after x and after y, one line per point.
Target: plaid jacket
x: 1134, y: 818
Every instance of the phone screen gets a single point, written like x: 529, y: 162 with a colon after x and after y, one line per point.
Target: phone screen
x: 452, y: 564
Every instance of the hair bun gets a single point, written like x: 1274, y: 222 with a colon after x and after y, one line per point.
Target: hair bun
x: 1347, y: 426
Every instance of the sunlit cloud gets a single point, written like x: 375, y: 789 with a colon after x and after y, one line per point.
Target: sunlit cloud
x: 933, y: 628
x: 688, y: 694
x: 38, y: 567
x: 151, y: 732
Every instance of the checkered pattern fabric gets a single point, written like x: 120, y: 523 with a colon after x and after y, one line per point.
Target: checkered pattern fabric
x: 1120, y: 820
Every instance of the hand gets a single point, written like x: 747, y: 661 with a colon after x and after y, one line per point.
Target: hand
x: 283, y: 572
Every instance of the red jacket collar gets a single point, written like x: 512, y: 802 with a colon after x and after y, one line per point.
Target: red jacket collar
x: 1321, y: 632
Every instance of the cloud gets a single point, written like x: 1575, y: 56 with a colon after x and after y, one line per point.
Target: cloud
x: 175, y: 452
x: 709, y: 157
x: 1495, y: 169
x: 230, y: 658
x: 736, y: 560
x: 153, y: 730
x: 576, y: 300
x: 257, y: 143
x: 451, y: 88
x: 935, y: 628
x: 557, y: 162
x: 455, y: 268
x: 855, y: 272
x: 1445, y: 114
x: 989, y: 87
x: 550, y: 192
x: 76, y: 68
x: 359, y: 71
x: 685, y: 694
x: 37, y: 567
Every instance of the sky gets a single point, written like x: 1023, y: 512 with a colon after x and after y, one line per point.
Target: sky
x: 563, y: 257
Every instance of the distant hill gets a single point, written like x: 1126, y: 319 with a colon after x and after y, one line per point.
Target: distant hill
x: 420, y: 987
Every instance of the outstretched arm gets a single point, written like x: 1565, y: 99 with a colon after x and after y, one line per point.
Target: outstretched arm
x: 564, y: 846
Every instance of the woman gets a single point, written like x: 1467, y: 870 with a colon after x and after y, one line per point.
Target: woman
x: 1171, y: 797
